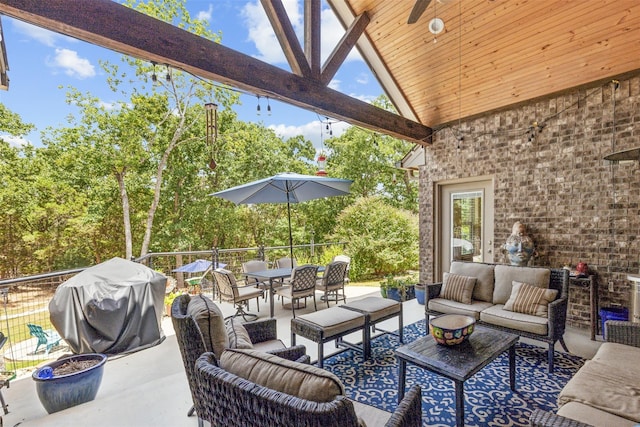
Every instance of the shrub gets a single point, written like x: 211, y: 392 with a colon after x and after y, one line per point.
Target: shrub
x: 380, y: 239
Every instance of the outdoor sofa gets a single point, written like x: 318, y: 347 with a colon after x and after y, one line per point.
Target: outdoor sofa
x: 528, y: 301
x: 606, y: 390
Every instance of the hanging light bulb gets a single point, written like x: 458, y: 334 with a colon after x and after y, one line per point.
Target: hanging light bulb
x: 167, y: 77
x: 268, y: 107
x: 258, y: 107
x: 154, y: 78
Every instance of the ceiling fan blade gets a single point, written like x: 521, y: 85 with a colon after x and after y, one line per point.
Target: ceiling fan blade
x: 418, y: 10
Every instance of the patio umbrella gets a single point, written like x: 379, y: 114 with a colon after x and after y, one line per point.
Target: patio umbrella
x: 286, y: 188
x: 194, y: 267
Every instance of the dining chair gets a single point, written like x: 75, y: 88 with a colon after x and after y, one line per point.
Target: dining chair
x: 285, y: 262
x: 230, y: 291
x: 347, y: 259
x: 332, y: 282
x: 253, y: 266
x: 302, y: 285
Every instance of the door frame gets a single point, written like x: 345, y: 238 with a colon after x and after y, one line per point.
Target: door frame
x: 483, y: 183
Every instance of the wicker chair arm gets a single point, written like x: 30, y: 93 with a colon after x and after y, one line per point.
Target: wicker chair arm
x: 540, y: 418
x: 557, y: 315
x: 261, y: 330
x: 297, y: 353
x: 409, y: 410
x: 623, y: 332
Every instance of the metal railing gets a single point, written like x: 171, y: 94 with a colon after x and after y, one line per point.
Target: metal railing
x: 25, y: 300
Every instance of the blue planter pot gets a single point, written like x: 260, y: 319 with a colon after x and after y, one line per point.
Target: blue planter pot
x: 394, y: 294
x: 64, y: 391
x: 420, y: 294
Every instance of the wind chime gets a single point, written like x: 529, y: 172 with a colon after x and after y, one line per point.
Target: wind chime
x: 211, y: 113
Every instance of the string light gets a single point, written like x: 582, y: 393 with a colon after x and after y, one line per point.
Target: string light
x: 258, y: 107
x: 268, y: 107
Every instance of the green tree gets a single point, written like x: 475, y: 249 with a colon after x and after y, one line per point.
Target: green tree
x: 380, y: 238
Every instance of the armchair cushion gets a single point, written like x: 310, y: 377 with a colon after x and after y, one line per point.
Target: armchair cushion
x: 238, y: 335
x: 211, y: 323
x: 529, y: 299
x: 457, y: 287
x: 296, y: 379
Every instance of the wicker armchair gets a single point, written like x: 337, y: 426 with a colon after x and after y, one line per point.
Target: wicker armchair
x: 620, y: 332
x: 192, y: 345
x: 232, y: 401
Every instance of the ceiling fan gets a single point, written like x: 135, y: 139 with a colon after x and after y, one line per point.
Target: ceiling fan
x: 436, y: 25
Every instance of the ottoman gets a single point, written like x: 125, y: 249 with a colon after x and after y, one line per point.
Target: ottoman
x: 327, y: 325
x: 376, y: 309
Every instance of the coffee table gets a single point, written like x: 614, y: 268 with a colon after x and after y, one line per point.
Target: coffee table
x: 459, y: 362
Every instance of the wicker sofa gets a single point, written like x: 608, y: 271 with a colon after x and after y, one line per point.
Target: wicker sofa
x: 489, y: 289
x: 605, y: 391
x: 264, y: 390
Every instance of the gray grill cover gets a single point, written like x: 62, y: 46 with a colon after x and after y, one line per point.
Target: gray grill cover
x: 111, y: 308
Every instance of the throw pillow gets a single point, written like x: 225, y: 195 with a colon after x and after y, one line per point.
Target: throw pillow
x: 211, y: 323
x: 530, y: 299
x: 457, y: 288
x: 238, y: 335
x: 296, y: 379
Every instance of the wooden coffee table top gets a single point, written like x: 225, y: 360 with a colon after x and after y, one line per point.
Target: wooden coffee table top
x: 458, y: 362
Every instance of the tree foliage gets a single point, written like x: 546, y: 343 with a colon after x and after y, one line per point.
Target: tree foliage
x: 381, y: 238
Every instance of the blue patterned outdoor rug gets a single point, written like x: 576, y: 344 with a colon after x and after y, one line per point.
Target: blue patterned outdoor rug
x: 488, y: 399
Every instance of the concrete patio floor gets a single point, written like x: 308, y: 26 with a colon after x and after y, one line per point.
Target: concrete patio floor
x: 149, y: 387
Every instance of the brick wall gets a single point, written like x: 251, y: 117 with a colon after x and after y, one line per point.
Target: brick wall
x: 576, y: 205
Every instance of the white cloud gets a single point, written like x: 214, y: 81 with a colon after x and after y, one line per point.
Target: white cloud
x: 205, y: 15
x: 362, y: 79
x: 334, y: 84
x: 46, y: 37
x: 72, y: 64
x: 262, y: 35
x: 313, y: 131
x: 15, y: 141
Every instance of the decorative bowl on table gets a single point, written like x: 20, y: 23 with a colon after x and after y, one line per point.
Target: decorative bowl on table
x: 451, y: 329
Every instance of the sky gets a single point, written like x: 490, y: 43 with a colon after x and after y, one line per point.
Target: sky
x: 43, y: 63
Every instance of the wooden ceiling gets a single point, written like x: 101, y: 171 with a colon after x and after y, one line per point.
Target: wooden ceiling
x: 493, y: 54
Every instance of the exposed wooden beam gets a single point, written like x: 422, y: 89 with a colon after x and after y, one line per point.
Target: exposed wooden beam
x: 343, y: 48
x: 312, y: 47
x: 116, y: 27
x: 287, y: 37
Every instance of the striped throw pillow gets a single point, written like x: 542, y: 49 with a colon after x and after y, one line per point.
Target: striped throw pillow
x: 530, y: 299
x: 457, y: 288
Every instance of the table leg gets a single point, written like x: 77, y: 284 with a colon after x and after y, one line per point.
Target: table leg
x: 271, y: 296
x: 512, y: 367
x: 402, y: 375
x: 459, y: 386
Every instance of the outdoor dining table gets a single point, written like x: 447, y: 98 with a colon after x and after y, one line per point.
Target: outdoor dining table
x: 273, y: 274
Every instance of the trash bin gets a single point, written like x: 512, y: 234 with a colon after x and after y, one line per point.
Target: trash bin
x: 612, y: 313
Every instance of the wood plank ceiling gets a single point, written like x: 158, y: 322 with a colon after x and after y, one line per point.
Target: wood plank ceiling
x: 493, y: 54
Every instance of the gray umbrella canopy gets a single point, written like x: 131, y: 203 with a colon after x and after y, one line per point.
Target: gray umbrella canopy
x: 286, y: 188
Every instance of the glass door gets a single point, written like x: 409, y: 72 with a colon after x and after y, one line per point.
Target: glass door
x: 464, y: 224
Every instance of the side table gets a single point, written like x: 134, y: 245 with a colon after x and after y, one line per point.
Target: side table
x: 592, y: 283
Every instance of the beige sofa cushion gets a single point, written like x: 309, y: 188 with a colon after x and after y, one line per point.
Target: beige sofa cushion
x: 297, y: 379
x: 617, y: 355
x: 370, y: 416
x: 497, y: 315
x: 483, y: 290
x: 592, y: 416
x: 505, y: 275
x: 529, y: 299
x: 601, y: 387
x: 448, y: 306
x: 211, y: 323
x: 457, y: 287
x: 238, y: 335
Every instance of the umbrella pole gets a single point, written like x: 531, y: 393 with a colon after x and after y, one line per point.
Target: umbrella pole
x: 290, y: 235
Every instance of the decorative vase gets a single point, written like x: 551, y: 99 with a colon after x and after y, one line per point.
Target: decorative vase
x: 420, y: 293
x: 58, y: 392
